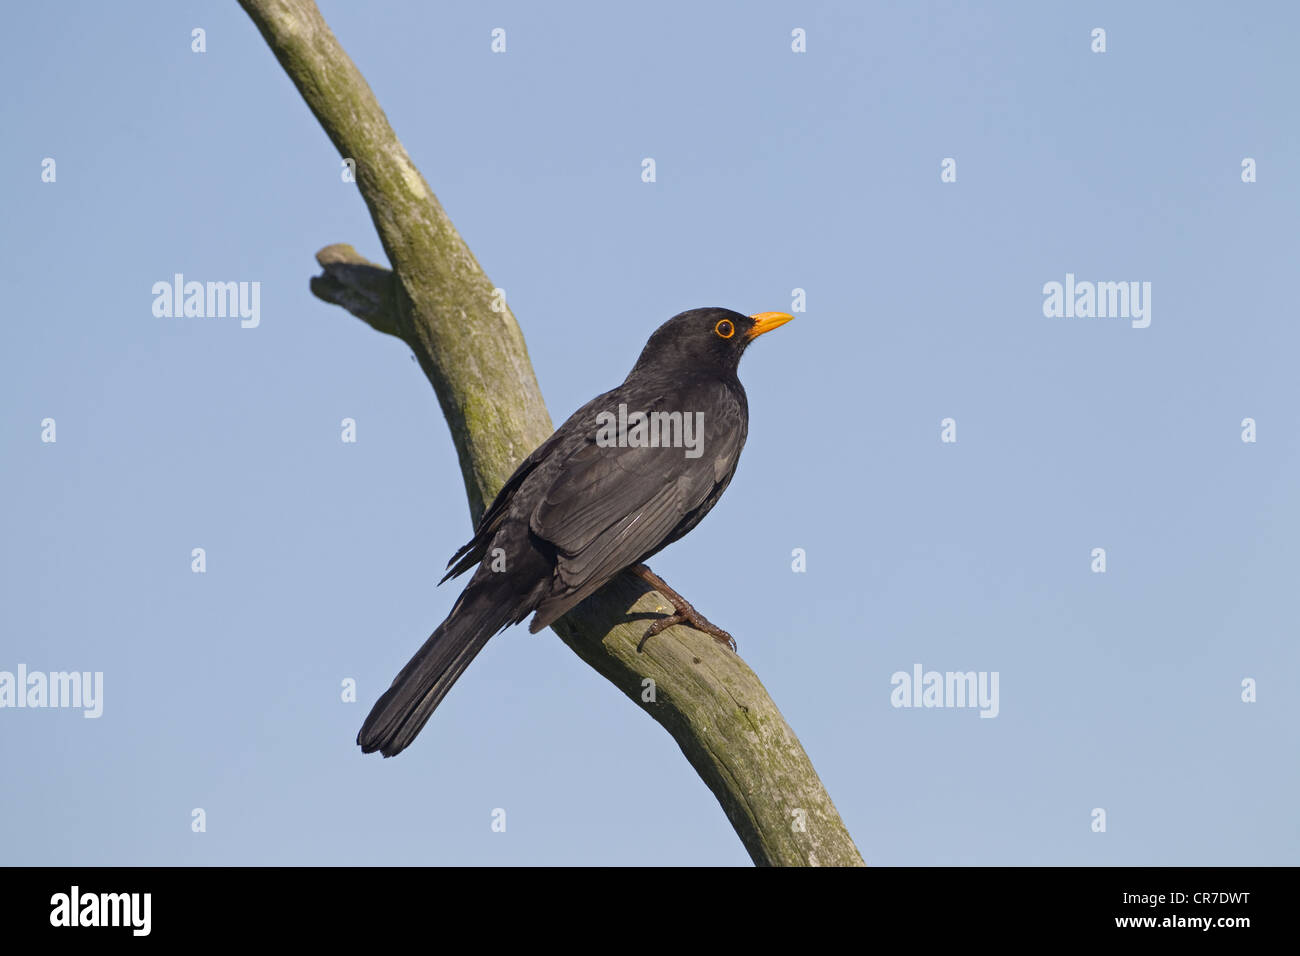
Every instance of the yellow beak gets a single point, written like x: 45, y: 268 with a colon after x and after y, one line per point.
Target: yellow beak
x: 766, y: 322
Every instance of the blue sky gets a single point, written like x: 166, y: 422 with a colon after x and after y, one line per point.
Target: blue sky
x: 775, y: 171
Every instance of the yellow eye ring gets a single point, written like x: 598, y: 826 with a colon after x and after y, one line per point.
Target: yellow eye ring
x: 724, y: 329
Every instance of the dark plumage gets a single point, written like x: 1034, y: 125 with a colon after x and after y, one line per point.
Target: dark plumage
x: 577, y: 512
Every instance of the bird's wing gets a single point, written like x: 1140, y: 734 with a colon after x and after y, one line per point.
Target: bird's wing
x: 473, y: 552
x: 610, y: 507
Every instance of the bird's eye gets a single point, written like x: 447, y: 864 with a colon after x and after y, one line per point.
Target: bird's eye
x: 725, y: 329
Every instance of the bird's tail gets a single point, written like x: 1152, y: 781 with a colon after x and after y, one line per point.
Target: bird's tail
x: 400, y: 714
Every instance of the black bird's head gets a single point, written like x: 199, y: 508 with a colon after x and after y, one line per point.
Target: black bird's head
x: 709, y: 340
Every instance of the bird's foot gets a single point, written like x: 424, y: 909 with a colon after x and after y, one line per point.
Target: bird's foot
x: 683, y: 612
x: 691, y: 617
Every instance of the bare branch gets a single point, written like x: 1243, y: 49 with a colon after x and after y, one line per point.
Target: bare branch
x: 358, y: 285
x: 439, y: 301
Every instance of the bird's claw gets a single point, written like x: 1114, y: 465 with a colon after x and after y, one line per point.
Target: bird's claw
x: 682, y: 612
x: 691, y: 618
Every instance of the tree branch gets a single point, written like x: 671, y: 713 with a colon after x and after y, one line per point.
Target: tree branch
x: 358, y: 285
x: 439, y: 301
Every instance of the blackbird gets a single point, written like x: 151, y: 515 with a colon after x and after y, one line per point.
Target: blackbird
x: 629, y: 473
